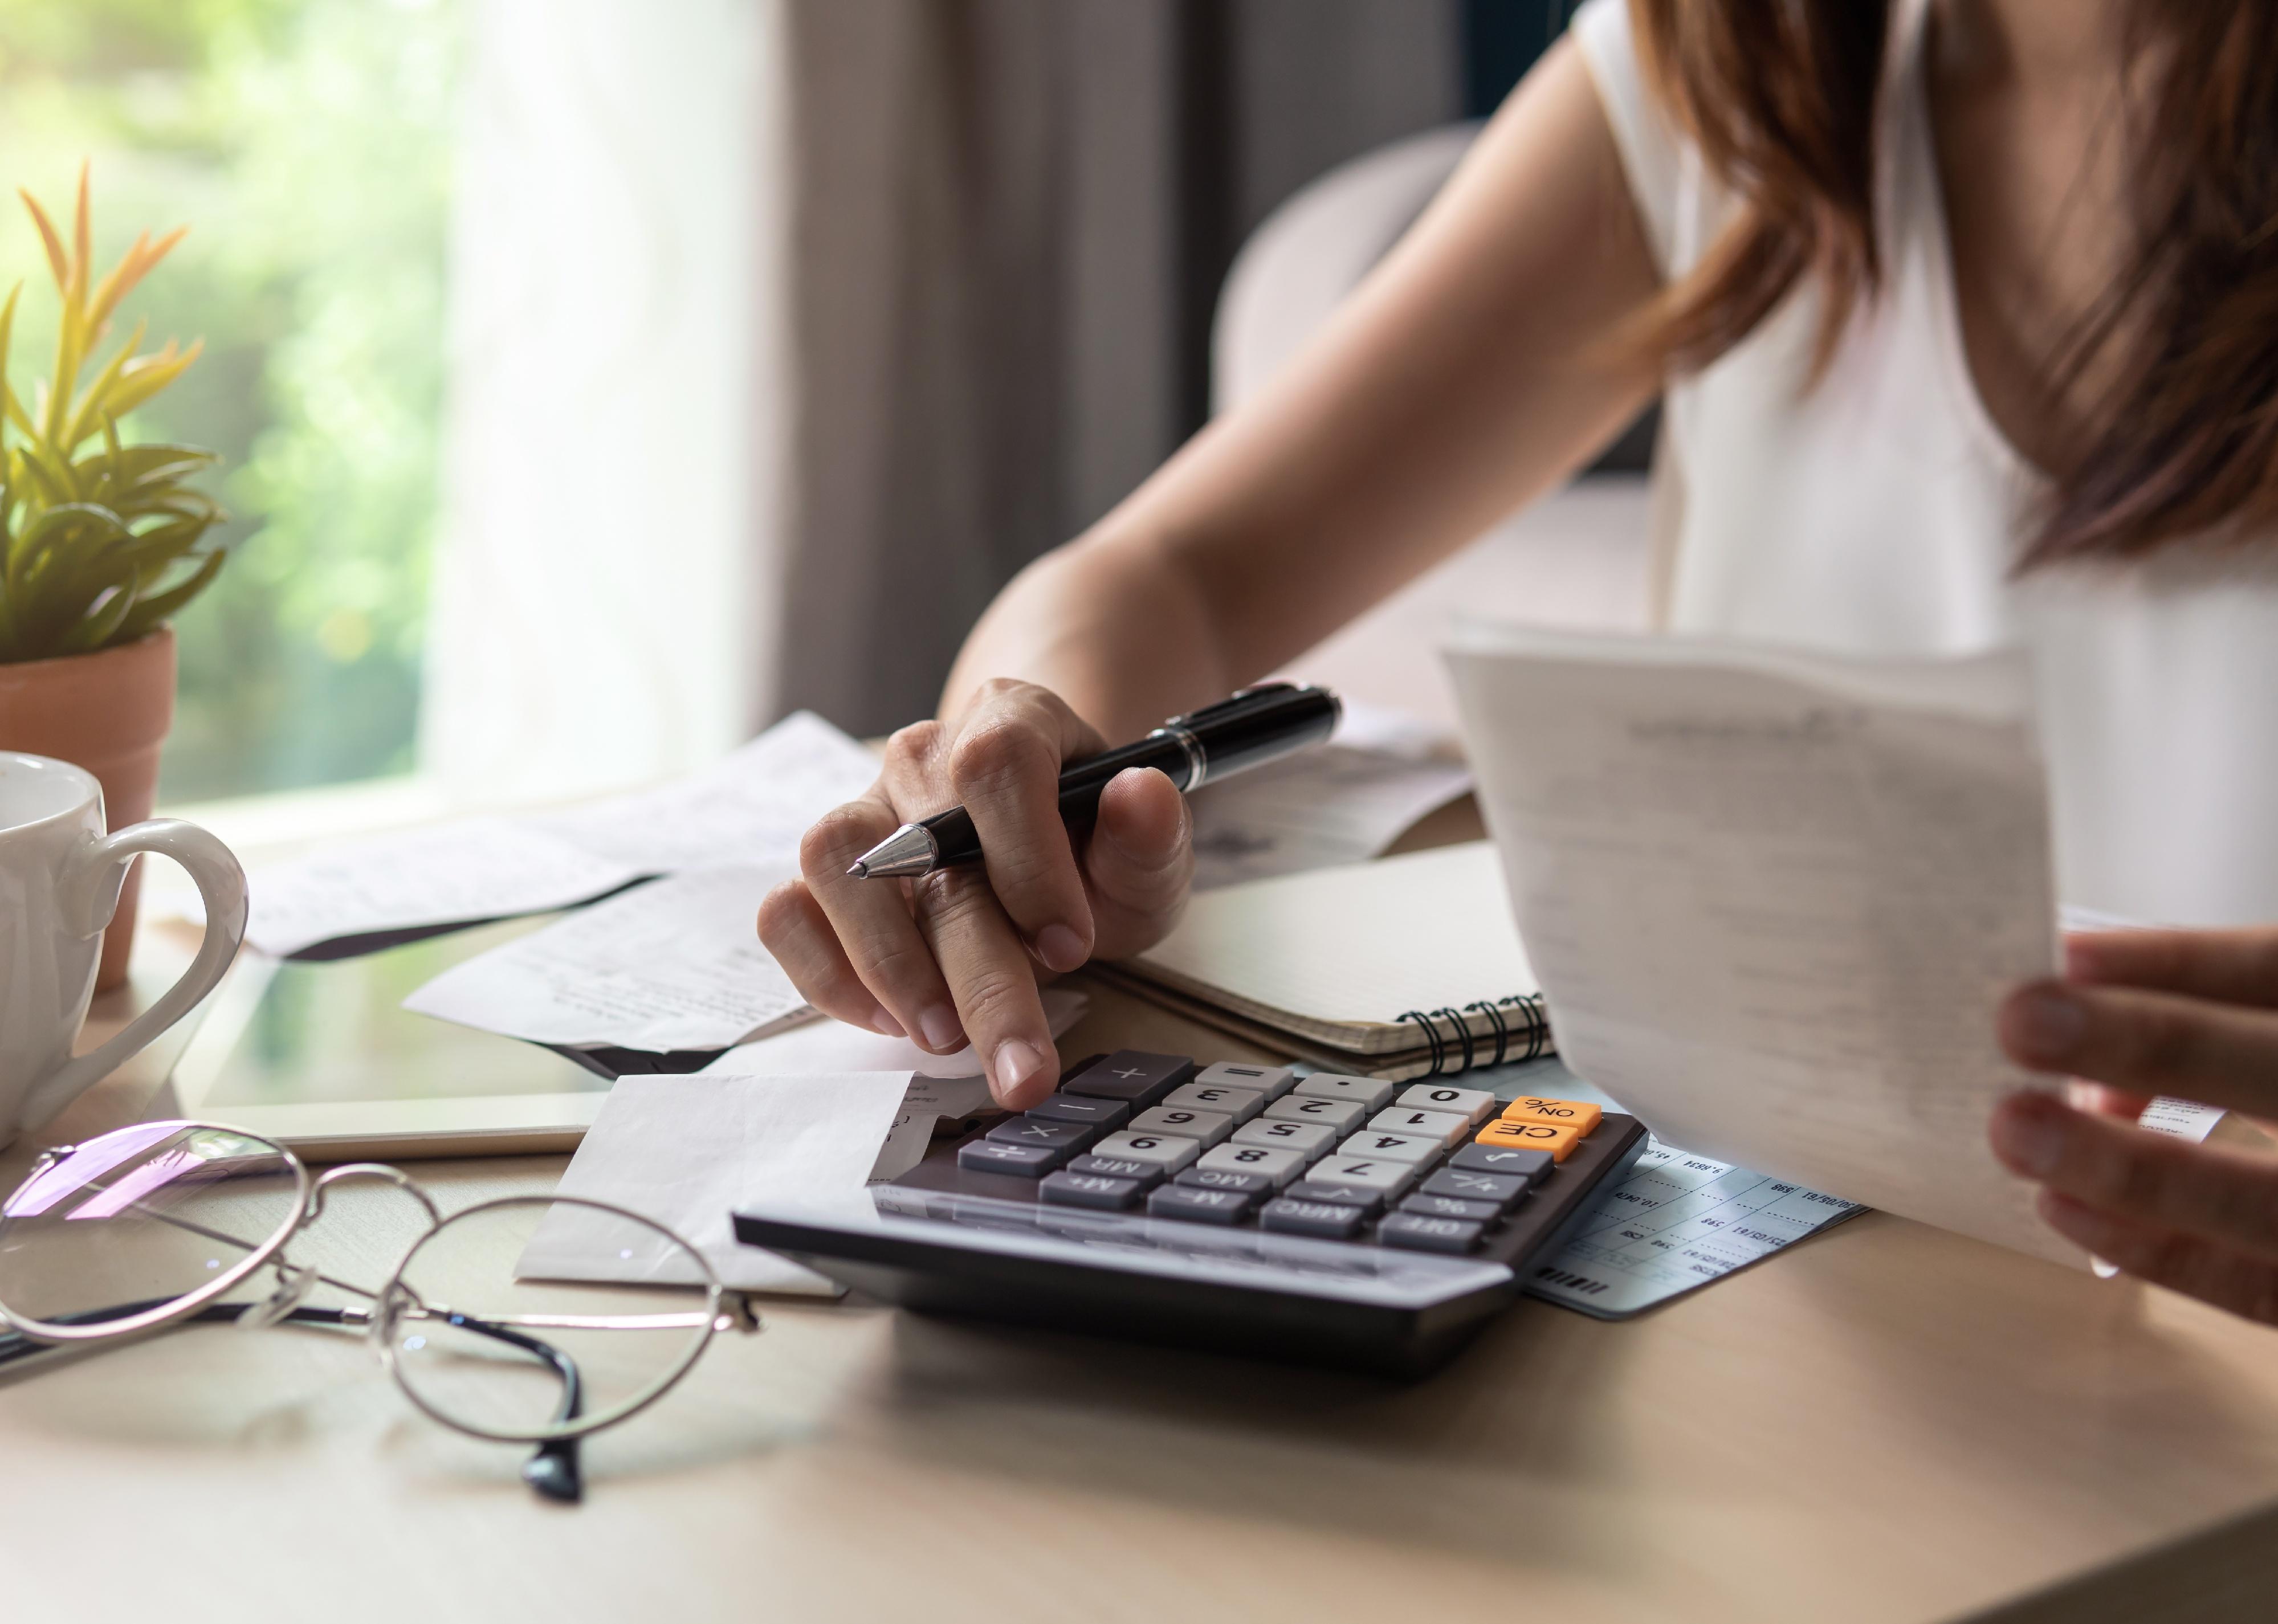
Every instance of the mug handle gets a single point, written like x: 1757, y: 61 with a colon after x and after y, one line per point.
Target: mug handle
x: 92, y: 892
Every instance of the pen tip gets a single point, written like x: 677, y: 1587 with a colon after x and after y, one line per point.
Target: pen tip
x: 859, y: 870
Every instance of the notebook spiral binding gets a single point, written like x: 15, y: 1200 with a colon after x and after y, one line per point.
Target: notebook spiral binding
x: 1533, y: 1032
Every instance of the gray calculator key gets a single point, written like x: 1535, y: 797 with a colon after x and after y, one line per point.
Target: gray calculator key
x: 1128, y: 1075
x: 1278, y: 1166
x: 1473, y: 1105
x: 1531, y: 1165
x: 1369, y: 1202
x: 1200, y: 1176
x: 1271, y: 1081
x: 1446, y: 1126
x: 1371, y: 1094
x: 1342, y: 1114
x: 1327, y: 1220
x: 1208, y: 1127
x: 1395, y: 1146
x: 1463, y: 1184
x: 1068, y: 1136
x: 1069, y: 1188
x: 1307, y: 1138
x: 1176, y: 1200
x: 1424, y: 1206
x: 1119, y: 1166
x: 1418, y: 1234
x: 1161, y: 1150
x: 1021, y: 1161
x: 1105, y: 1115
x: 1240, y: 1103
x: 1381, y: 1174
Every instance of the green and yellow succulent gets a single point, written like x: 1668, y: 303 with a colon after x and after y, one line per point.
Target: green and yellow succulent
x: 101, y: 542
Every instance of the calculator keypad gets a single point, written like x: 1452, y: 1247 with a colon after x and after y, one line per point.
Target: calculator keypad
x: 1429, y: 1168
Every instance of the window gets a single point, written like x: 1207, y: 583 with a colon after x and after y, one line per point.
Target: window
x: 307, y: 143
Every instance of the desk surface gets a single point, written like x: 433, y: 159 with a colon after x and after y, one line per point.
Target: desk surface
x: 1887, y: 1422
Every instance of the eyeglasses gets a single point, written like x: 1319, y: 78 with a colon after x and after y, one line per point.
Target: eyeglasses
x: 152, y: 1226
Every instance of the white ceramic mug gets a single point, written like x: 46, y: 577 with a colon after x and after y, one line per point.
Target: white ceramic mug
x: 59, y: 880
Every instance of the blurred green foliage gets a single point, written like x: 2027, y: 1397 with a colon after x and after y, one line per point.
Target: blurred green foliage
x: 307, y: 144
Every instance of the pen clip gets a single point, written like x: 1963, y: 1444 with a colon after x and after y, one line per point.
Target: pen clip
x: 1240, y: 700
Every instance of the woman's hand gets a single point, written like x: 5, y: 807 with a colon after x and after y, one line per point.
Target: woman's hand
x: 960, y: 953
x: 2188, y: 1013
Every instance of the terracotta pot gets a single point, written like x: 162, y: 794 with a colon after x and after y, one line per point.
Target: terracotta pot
x: 107, y: 713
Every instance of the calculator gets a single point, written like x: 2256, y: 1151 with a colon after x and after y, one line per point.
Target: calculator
x: 1328, y: 1218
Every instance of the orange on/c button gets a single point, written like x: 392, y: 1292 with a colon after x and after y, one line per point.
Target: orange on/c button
x: 1579, y: 1114
x: 1558, y: 1137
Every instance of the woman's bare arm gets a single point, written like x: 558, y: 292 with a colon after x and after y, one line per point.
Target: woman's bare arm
x: 1475, y: 368
x: 1472, y: 371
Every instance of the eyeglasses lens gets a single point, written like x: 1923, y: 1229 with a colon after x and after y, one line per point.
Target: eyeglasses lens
x: 504, y: 1356
x: 138, y: 1219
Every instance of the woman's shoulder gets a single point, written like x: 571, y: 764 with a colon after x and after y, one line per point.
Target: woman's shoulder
x: 1659, y: 162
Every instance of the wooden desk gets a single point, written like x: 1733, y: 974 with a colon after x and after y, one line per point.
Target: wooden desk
x: 1886, y: 1423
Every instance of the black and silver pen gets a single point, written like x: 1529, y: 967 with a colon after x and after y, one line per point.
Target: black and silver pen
x: 1255, y: 726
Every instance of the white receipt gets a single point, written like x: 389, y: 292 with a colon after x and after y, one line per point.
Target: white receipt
x: 750, y: 807
x: 949, y: 1086
x: 676, y: 964
x: 686, y: 1151
x: 485, y: 868
x: 1775, y: 900
x: 1344, y: 802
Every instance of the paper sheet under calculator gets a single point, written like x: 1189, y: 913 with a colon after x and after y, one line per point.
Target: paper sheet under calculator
x: 1677, y: 1221
x: 1674, y: 1222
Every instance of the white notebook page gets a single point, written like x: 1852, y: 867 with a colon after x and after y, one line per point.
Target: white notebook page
x: 1357, y: 945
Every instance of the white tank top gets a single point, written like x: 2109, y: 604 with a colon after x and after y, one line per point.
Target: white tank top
x: 1880, y: 513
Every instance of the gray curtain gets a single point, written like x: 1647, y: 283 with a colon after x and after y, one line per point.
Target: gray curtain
x: 1011, y: 219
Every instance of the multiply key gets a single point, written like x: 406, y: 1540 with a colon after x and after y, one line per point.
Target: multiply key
x: 1128, y: 1075
x: 1068, y: 1136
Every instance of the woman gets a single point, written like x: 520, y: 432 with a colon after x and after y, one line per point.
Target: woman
x: 1967, y: 314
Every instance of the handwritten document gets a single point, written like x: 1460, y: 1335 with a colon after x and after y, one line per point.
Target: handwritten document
x: 750, y: 808
x: 1344, y: 801
x: 1775, y: 899
x: 676, y: 964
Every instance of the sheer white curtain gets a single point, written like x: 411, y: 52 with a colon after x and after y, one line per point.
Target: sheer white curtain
x: 604, y: 608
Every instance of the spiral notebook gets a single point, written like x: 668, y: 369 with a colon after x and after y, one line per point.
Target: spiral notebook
x: 1404, y: 967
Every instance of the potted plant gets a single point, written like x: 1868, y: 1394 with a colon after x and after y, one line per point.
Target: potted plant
x: 101, y: 542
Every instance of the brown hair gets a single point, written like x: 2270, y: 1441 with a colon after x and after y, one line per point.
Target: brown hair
x: 1780, y: 96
